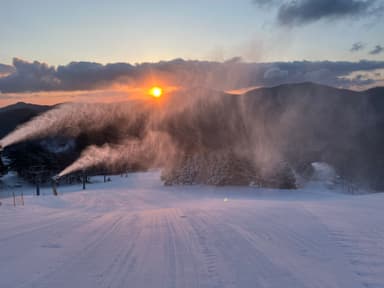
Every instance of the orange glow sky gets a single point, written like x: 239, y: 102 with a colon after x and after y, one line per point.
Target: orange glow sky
x: 116, y: 93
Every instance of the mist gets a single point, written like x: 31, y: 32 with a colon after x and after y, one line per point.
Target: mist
x: 266, y: 132
x: 76, y: 118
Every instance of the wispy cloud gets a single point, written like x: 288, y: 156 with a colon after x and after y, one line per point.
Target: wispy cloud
x: 306, y: 11
x: 377, y: 50
x: 300, y: 12
x: 357, y: 46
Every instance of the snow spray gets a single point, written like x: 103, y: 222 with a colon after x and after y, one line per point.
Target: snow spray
x: 119, y: 157
x: 75, y: 118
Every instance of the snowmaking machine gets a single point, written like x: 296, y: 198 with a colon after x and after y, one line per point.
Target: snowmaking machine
x: 3, y: 168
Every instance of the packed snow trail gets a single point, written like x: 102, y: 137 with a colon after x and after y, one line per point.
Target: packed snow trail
x: 134, y: 232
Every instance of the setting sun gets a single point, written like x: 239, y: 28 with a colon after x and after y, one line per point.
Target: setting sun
x: 156, y: 92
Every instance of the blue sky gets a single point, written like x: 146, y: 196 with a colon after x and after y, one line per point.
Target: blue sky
x: 58, y: 32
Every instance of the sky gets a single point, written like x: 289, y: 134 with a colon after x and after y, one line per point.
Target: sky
x: 57, y: 33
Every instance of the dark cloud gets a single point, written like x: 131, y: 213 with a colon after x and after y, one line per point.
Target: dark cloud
x: 37, y: 76
x: 6, y: 69
x: 297, y: 12
x: 89, y: 75
x: 29, y: 76
x: 377, y: 50
x: 231, y: 74
x: 329, y: 73
x: 357, y: 46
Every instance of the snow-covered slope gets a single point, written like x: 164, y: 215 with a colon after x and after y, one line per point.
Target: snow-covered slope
x: 134, y: 232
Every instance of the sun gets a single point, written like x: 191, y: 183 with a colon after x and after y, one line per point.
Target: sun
x: 156, y: 92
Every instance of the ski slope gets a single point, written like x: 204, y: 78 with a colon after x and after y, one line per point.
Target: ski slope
x: 134, y: 232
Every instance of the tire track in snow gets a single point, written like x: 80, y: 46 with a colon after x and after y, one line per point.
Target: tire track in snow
x: 357, y: 243
x: 182, y: 249
x: 294, y: 250
x: 74, y: 260
x: 165, y: 252
x: 208, y: 253
x: 123, y: 262
x: 37, y: 226
x: 369, y: 267
x: 249, y: 266
x: 172, y: 252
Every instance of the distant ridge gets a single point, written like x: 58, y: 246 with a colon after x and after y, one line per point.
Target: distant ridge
x: 13, y: 115
x: 308, y: 86
x: 23, y: 105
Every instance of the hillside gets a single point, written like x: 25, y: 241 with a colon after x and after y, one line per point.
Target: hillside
x: 308, y: 122
x: 294, y: 124
x: 13, y: 115
x: 278, y: 128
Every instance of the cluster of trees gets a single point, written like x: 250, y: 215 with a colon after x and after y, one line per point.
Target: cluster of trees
x: 35, y: 161
x: 3, y: 169
x: 225, y: 167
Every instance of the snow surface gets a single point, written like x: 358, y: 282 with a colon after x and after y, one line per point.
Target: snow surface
x: 134, y: 232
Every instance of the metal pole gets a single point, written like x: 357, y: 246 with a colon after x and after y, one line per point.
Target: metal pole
x: 37, y: 186
x: 54, y: 186
x: 84, y: 180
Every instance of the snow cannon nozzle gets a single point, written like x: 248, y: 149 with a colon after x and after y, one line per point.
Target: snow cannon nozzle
x: 55, y: 178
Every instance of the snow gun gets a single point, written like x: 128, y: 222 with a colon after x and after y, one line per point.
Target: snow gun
x: 54, y: 181
x: 3, y: 168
